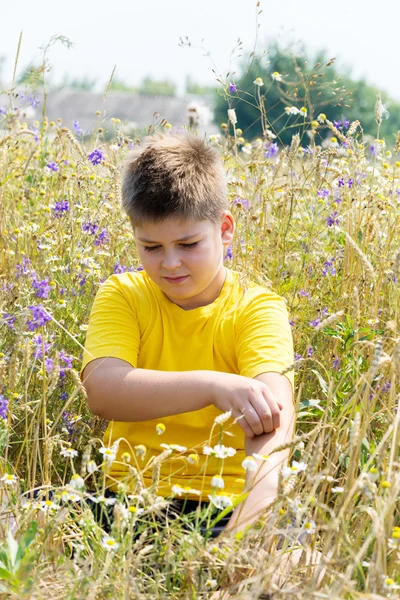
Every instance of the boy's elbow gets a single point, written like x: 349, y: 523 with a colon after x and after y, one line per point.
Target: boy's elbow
x: 94, y: 403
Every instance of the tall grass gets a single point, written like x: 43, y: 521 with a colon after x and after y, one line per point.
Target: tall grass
x: 320, y: 225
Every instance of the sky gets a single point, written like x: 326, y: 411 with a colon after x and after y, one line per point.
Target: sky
x: 141, y: 38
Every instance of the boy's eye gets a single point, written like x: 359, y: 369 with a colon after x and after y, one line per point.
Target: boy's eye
x: 150, y: 248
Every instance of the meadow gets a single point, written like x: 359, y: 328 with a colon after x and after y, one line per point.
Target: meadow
x: 319, y: 223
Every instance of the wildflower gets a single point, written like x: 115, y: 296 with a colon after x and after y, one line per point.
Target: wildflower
x: 323, y: 193
x: 60, y: 208
x: 232, y: 116
x: 247, y: 148
x: 272, y: 149
x: 396, y: 533
x: 9, y: 479
x: 291, y: 110
x: 240, y: 202
x: 321, y: 117
x: 108, y: 453
x: 76, y: 482
x: 249, y: 464
x: 47, y: 505
x: 70, y: 494
x: 263, y: 457
x: 96, y: 157
x: 258, y: 82
x: 102, y: 237
x: 52, y: 166
x: 296, y: 467
x: 102, y: 499
x: 210, y: 584
x: 385, y: 484
x: 193, y: 459
x: 140, y: 450
x: 217, y: 482
x: 232, y: 88
x: 40, y: 317
x: 223, y: 417
x: 126, y: 457
x: 276, y: 76
x: 109, y: 543
x: 69, y: 452
x: 220, y: 451
x: 303, y: 110
x: 333, y: 219
x: 42, y: 287
x: 160, y: 428
x: 220, y: 501
x: 90, y: 227
x: 270, y: 135
x: 177, y: 490
x: 91, y: 467
x: 114, y: 148
x: 3, y: 406
x: 373, y: 474
x: 309, y: 527
x: 77, y: 128
x: 175, y: 447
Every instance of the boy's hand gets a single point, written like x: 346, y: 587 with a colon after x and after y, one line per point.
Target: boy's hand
x: 248, y: 398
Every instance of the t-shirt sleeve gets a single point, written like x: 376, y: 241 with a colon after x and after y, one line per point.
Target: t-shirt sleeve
x: 113, y: 329
x: 264, y: 340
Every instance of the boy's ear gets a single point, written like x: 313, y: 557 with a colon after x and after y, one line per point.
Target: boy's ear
x: 228, y: 227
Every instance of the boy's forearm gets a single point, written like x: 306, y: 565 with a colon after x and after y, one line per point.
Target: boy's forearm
x: 126, y: 394
x: 262, y: 485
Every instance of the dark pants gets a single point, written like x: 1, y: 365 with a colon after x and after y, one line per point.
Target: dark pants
x: 103, y: 513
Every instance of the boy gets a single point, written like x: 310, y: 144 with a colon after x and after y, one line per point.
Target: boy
x: 183, y: 341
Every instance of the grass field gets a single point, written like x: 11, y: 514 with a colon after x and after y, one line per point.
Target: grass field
x: 320, y: 225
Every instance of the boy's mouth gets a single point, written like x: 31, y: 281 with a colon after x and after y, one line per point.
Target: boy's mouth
x: 175, y: 279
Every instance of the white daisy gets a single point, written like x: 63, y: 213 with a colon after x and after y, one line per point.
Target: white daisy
x: 309, y: 527
x: 76, y: 482
x: 46, y: 505
x: 9, y: 479
x: 211, y: 583
x: 220, y: 501
x: 109, y: 543
x: 217, y: 482
x: 69, y: 452
x: 291, y: 110
x: 109, y: 454
x: 249, y: 464
x: 220, y: 451
x: 276, y: 76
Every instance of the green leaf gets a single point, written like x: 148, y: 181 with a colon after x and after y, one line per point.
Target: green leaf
x: 311, y: 402
x: 322, y: 382
x: 4, y: 574
x: 12, y: 548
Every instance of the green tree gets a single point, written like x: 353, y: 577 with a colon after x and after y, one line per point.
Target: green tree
x: 319, y: 88
x: 117, y: 85
x: 152, y: 87
x: 191, y: 87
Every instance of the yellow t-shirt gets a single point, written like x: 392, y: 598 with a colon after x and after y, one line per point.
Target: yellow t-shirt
x: 244, y: 331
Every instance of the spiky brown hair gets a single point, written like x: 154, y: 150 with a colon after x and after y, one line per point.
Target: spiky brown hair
x: 174, y: 175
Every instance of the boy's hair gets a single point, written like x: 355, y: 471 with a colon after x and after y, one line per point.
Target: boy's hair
x: 174, y: 175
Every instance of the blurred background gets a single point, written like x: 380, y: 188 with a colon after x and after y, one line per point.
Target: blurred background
x: 169, y: 59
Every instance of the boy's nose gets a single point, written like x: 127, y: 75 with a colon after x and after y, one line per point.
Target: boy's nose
x: 171, y: 262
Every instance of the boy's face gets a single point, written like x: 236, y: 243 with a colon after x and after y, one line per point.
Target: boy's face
x: 199, y: 258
